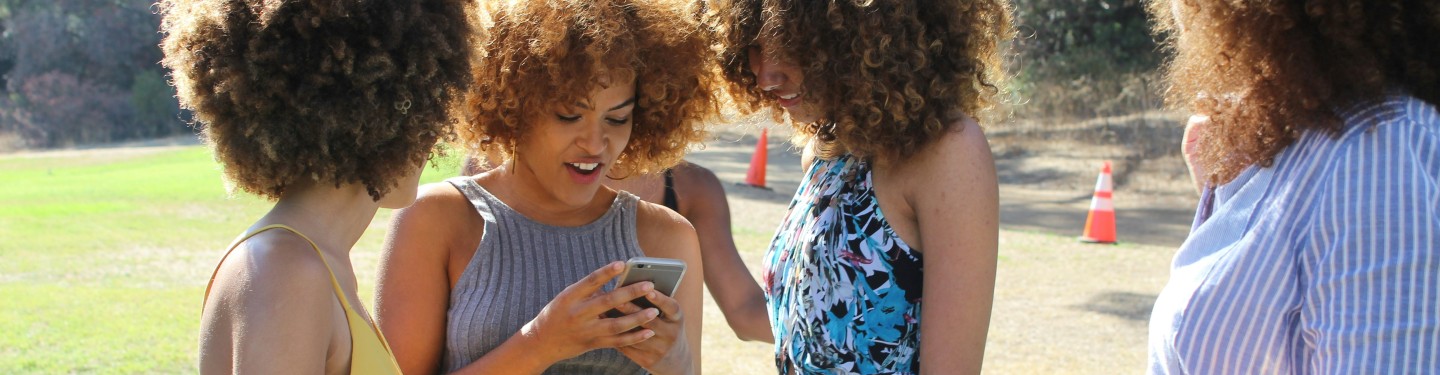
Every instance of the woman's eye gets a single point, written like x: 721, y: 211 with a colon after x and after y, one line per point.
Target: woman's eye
x: 567, y: 118
x: 618, y: 121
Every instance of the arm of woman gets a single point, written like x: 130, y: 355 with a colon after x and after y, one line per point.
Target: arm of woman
x: 273, y: 311
x: 1373, y: 268
x: 675, y: 349
x: 413, y: 289
x: 957, y: 208
x: 730, y: 283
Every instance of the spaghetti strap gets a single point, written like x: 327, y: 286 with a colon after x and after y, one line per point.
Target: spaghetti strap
x: 366, y: 353
x: 670, y: 199
x: 247, y: 238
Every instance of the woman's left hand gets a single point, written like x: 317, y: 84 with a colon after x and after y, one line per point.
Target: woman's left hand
x: 667, y: 352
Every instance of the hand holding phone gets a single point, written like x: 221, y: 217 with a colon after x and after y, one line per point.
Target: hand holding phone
x: 665, y: 273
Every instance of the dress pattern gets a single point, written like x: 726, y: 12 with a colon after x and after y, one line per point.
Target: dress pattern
x: 843, y: 290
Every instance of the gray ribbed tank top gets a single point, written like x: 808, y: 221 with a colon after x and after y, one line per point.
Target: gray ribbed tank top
x: 520, y: 266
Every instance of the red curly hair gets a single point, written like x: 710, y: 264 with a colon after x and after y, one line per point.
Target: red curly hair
x: 1264, y: 72
x: 888, y: 75
x: 536, y: 55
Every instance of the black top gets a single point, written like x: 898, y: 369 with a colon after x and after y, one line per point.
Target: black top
x: 670, y: 199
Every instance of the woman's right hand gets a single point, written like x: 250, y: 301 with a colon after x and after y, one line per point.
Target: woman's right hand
x: 574, y: 323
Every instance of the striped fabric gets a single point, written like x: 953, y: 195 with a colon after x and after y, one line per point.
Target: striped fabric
x: 1328, y: 262
x: 520, y: 266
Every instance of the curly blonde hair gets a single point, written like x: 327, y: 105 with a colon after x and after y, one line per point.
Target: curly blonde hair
x: 1264, y: 72
x: 536, y: 55
x: 341, y: 91
x: 888, y: 75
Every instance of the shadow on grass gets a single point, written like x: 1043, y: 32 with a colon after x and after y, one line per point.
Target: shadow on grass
x: 1125, y: 305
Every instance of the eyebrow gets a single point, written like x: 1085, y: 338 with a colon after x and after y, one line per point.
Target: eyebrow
x: 619, y: 106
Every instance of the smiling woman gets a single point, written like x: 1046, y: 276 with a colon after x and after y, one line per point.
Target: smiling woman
x: 507, y: 271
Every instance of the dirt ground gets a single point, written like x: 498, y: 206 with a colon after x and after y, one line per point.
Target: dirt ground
x: 1047, y: 174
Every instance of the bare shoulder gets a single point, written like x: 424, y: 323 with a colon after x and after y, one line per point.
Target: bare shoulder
x: 272, y: 302
x: 439, y: 198
x: 694, y: 181
x: 658, y: 229
x: 962, y: 151
x: 439, y: 208
x: 658, y: 220
x: 274, y: 270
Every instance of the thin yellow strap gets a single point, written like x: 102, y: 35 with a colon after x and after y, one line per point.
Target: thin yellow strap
x: 237, y: 244
x: 339, y: 293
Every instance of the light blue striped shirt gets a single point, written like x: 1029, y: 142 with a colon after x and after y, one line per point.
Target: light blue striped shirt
x: 1327, y: 262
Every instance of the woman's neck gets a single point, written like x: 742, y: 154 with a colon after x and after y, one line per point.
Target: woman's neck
x: 524, y: 194
x: 333, y: 217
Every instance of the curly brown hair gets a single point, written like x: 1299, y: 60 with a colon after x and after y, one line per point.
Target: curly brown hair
x: 888, y: 75
x: 536, y: 55
x: 341, y: 91
x: 1264, y: 72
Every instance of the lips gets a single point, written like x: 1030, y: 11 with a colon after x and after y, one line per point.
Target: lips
x: 584, y: 168
x: 789, y: 100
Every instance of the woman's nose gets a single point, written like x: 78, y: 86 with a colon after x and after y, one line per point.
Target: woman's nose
x: 593, y: 139
x: 767, y: 76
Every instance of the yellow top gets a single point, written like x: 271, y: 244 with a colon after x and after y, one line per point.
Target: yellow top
x: 369, y: 353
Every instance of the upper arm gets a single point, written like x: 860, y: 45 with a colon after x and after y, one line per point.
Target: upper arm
x: 729, y: 280
x: 1373, y: 296
x: 956, y: 205
x: 665, y: 234
x: 272, y: 312
x: 412, y: 292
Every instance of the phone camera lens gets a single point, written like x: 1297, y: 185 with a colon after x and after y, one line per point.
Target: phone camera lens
x: 644, y: 265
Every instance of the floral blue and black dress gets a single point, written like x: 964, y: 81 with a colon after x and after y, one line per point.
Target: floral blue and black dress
x: 843, y: 289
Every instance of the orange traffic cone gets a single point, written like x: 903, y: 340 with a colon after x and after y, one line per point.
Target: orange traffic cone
x: 756, y: 175
x: 1100, y: 224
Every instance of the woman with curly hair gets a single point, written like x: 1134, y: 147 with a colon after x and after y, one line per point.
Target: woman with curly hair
x: 505, y: 272
x: 900, y: 201
x: 1318, y: 151
x: 329, y: 108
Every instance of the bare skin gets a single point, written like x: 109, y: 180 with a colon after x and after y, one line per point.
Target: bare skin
x: 701, y: 199
x: 1194, y: 131
x: 432, y: 242
x: 944, y: 200
x: 271, y: 308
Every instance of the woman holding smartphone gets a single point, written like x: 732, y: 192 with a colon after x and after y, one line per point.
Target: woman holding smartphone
x: 506, y: 271
x: 330, y: 109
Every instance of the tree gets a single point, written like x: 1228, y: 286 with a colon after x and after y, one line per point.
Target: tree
x: 102, y: 58
x: 1084, y: 58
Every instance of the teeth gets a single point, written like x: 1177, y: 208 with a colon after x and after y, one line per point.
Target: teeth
x: 791, y: 96
x: 585, y: 166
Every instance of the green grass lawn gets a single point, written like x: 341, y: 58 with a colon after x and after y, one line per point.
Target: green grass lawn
x: 104, y: 258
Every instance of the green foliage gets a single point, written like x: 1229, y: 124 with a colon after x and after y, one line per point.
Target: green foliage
x: 1083, y: 58
x: 97, y: 51
x: 156, y: 111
